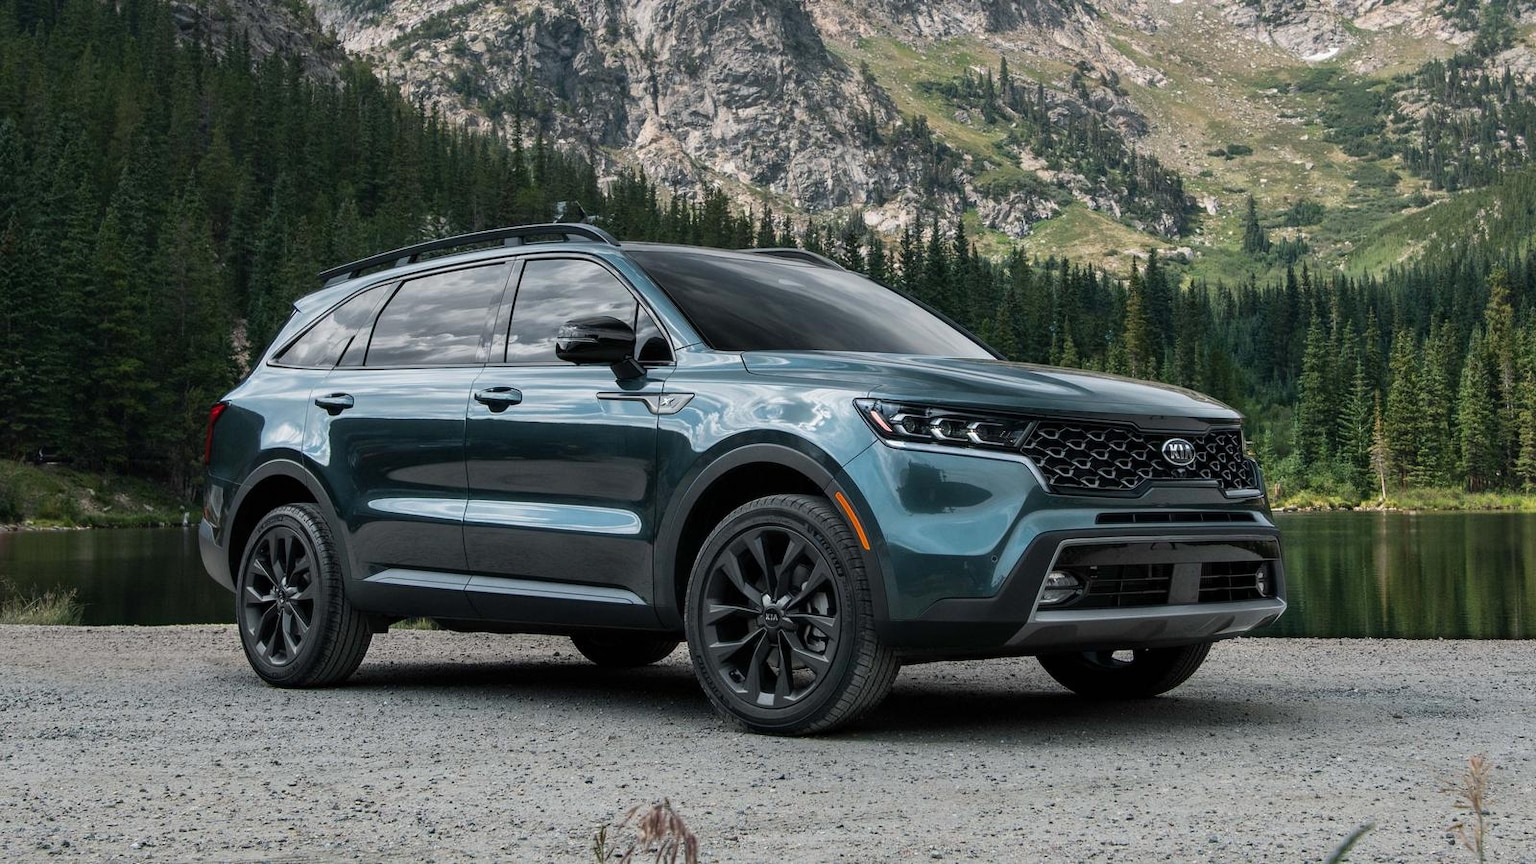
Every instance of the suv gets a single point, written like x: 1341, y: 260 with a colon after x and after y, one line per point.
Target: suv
x: 810, y: 477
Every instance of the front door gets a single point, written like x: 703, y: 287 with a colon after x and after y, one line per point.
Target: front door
x: 561, y: 461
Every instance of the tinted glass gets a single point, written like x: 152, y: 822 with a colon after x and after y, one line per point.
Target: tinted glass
x: 438, y: 320
x: 325, y: 342
x: 556, y: 290
x: 765, y: 304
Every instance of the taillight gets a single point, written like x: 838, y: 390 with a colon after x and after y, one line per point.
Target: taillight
x: 213, y: 417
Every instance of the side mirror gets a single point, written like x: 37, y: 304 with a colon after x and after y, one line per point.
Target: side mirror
x: 599, y: 339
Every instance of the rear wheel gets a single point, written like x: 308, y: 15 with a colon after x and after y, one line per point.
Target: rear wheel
x: 624, y: 650
x: 1136, y: 674
x: 296, y: 626
x: 780, y: 622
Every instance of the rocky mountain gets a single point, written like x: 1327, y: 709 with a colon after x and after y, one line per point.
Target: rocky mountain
x: 288, y: 29
x: 1088, y: 128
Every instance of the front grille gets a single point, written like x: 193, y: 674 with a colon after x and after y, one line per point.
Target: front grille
x: 1228, y: 581
x: 1106, y: 458
x: 1115, y: 587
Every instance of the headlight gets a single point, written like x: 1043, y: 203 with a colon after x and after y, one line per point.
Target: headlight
x: 952, y: 428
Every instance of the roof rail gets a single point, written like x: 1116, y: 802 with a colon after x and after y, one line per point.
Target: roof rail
x: 793, y: 254
x: 515, y: 236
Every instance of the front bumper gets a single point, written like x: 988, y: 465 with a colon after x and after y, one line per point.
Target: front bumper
x: 967, y: 543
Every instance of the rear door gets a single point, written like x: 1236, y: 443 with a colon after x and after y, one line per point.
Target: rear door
x: 562, y: 459
x: 387, y: 428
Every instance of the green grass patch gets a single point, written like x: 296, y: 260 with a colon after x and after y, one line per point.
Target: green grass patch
x: 1083, y: 235
x: 415, y: 624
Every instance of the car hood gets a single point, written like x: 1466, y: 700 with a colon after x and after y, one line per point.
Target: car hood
x: 998, y: 384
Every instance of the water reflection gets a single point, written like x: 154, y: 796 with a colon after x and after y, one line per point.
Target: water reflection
x: 126, y: 576
x: 1416, y: 576
x: 1440, y: 575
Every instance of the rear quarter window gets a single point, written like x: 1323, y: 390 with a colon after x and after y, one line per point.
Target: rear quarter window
x: 323, y: 344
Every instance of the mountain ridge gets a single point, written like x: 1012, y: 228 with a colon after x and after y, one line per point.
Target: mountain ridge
x: 861, y: 107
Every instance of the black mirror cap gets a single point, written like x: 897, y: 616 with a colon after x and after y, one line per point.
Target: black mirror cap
x: 598, y: 339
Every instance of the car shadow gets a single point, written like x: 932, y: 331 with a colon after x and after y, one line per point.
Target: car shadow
x: 920, y: 706
x: 961, y: 712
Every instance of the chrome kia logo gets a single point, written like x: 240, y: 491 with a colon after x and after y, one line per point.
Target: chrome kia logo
x: 1179, y: 452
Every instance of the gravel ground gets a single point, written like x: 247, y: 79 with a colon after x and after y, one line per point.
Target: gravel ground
x: 159, y: 744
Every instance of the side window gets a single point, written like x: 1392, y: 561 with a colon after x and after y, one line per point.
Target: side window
x: 556, y: 290
x: 324, y: 343
x: 438, y: 320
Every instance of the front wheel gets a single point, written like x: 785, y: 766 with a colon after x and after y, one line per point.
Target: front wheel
x: 1137, y: 674
x: 296, y: 626
x: 780, y: 622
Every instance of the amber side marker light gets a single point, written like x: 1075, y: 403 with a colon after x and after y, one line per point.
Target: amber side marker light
x: 853, y: 517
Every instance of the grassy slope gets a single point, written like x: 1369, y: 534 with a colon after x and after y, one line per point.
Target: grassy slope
x: 1241, y: 95
x: 56, y: 495
x: 1210, y: 99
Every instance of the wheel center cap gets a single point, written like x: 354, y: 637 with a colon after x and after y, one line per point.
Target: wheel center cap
x: 773, y: 617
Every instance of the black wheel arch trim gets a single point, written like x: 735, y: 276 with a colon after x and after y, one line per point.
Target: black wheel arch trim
x: 796, y: 454
x: 291, y: 468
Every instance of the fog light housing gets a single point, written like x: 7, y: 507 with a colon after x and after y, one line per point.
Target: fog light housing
x: 1060, y: 587
x: 1261, y: 581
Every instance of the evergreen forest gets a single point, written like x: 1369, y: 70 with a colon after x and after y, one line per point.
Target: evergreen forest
x: 164, y: 198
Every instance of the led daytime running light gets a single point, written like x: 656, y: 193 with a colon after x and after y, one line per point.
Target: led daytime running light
x: 933, y: 425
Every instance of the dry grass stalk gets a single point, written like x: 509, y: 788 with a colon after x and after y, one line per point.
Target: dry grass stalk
x: 1471, y: 791
x: 657, y: 828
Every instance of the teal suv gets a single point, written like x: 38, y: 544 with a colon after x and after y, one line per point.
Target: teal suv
x: 809, y: 477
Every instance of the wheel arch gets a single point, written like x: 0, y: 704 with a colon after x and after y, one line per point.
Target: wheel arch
x: 274, y: 483
x: 722, y: 484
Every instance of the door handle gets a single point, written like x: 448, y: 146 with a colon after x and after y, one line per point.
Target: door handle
x: 499, y: 399
x: 335, y: 403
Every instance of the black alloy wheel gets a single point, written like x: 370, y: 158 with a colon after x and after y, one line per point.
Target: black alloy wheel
x: 1132, y: 674
x: 277, y: 606
x: 296, y: 626
x: 780, y: 619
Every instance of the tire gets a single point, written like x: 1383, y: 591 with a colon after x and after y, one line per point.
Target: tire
x: 295, y: 623
x: 780, y: 584
x: 1149, y: 672
x: 620, y: 650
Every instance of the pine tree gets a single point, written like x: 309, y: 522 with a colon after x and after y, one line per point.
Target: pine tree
x: 1400, y: 422
x: 1315, y: 407
x: 1002, y: 329
x: 191, y: 330
x: 1525, y: 458
x: 1355, y: 428
x: 1255, y: 238
x: 1382, y: 459
x: 120, y: 359
x: 1476, y: 421
x: 1136, y: 338
x: 1435, y: 457
x: 1499, y: 324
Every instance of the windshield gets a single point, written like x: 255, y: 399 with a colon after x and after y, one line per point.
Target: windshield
x: 770, y: 304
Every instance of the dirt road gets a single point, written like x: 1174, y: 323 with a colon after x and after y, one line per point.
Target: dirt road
x: 158, y: 744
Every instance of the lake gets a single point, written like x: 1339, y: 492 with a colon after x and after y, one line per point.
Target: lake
x: 1416, y: 576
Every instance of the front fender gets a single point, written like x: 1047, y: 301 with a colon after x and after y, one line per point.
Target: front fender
x: 815, y: 465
